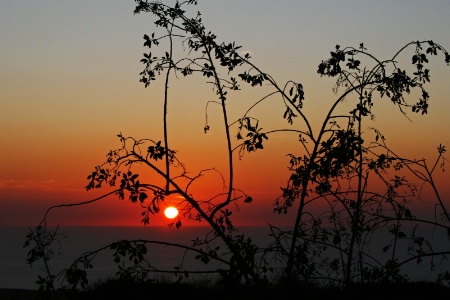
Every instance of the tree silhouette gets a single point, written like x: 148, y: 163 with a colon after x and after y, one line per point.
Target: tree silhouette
x: 332, y: 169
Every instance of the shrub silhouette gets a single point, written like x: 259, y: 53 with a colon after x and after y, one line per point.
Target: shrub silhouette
x: 332, y: 170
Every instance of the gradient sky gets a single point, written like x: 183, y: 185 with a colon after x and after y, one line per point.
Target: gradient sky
x: 70, y: 82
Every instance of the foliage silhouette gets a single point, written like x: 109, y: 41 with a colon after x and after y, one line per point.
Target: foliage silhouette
x: 331, y: 246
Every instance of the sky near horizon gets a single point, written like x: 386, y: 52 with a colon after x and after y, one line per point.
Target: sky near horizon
x: 69, y: 83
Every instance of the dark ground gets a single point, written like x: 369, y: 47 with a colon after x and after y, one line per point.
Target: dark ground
x: 122, y: 290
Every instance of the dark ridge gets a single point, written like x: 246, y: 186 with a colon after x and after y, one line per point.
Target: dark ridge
x: 126, y: 289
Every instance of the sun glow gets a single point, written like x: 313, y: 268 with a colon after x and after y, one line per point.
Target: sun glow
x: 171, y: 212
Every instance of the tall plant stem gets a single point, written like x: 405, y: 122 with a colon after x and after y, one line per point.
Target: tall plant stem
x: 166, y: 100
x: 307, y: 177
x: 227, y: 132
x: 356, y: 217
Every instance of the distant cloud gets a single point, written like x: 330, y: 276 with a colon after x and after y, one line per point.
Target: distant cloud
x: 29, y: 184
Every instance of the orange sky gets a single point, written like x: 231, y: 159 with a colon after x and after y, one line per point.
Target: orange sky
x: 70, y: 83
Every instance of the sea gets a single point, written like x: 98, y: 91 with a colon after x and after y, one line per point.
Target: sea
x: 74, y: 241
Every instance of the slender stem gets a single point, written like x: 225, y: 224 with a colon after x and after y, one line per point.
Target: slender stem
x: 306, y: 179
x: 356, y: 217
x: 275, y: 85
x: 166, y: 100
x: 227, y: 131
x: 436, y: 192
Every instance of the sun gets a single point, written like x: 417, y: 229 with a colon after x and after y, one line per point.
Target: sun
x: 171, y: 212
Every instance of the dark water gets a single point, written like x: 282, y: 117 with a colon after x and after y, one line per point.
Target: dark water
x: 15, y: 273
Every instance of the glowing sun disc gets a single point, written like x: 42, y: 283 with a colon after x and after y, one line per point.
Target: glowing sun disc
x: 171, y: 212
